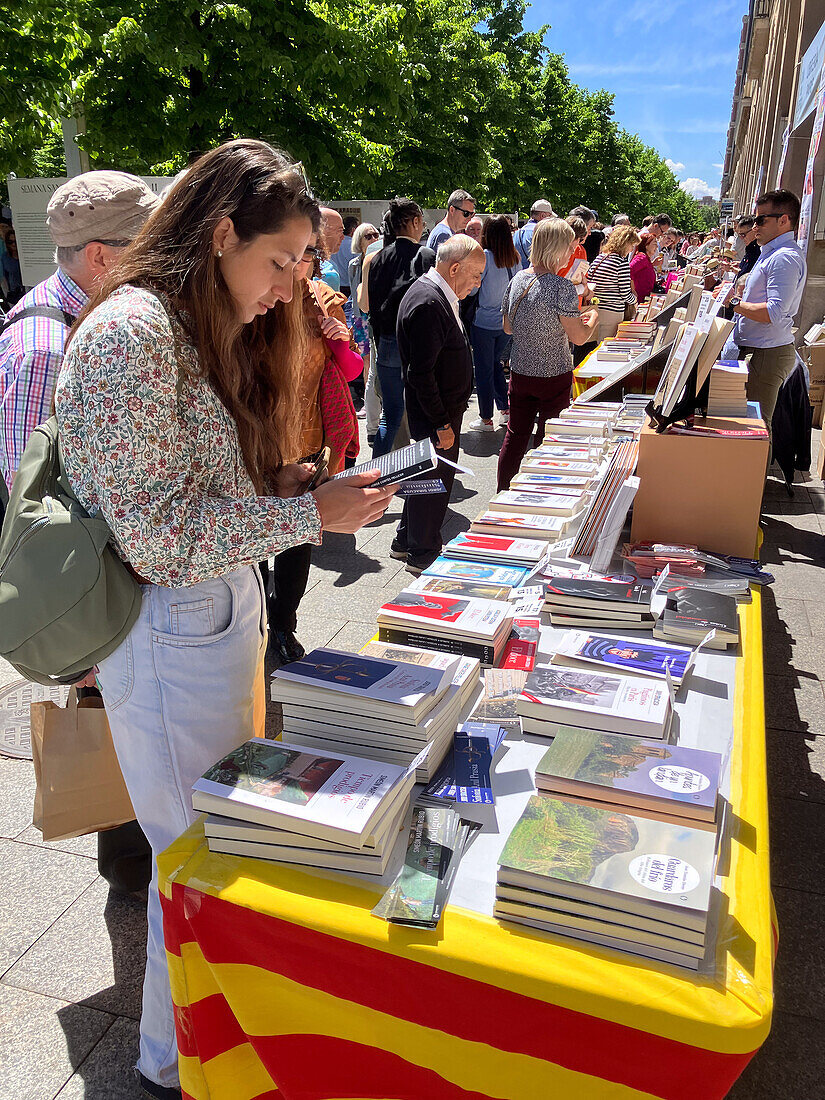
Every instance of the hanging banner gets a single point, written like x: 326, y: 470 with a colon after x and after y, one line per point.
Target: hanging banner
x: 757, y: 191
x: 808, y: 186
x: 785, y: 139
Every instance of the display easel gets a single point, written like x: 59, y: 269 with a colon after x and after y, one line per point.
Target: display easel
x: 685, y: 408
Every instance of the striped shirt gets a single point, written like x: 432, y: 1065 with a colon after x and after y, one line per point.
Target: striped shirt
x: 610, y: 274
x: 30, y: 356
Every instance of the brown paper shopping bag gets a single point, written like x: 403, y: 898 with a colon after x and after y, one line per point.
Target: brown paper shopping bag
x: 80, y: 788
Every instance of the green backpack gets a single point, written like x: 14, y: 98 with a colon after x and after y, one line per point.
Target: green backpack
x: 66, y: 599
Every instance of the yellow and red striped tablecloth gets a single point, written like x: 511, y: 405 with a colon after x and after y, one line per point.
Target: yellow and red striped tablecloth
x: 285, y: 986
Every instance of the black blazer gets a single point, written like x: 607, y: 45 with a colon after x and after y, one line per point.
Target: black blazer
x: 435, y: 356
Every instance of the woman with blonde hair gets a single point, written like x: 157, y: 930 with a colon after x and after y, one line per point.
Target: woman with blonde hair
x: 541, y: 310
x: 609, y: 279
x: 179, y: 425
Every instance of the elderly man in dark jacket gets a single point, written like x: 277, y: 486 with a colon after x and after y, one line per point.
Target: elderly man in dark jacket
x: 438, y: 380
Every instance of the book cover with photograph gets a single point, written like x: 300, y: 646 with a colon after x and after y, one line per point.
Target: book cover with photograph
x: 623, y: 704
x: 320, y: 794
x: 476, y: 590
x: 502, y: 688
x: 610, y: 856
x: 621, y: 595
x: 454, y: 569
x: 633, y: 655
x: 629, y: 771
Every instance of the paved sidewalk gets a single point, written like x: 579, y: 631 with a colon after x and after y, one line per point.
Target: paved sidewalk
x: 71, y: 953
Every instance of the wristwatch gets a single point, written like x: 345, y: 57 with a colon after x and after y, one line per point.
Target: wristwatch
x: 734, y: 302
x: 444, y: 428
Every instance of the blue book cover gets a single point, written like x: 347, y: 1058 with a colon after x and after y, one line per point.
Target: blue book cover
x: 443, y: 784
x: 473, y: 765
x: 624, y: 654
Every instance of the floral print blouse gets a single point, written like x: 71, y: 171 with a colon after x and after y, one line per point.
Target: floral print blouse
x: 154, y: 450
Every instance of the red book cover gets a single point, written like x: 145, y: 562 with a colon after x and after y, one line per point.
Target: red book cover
x: 428, y: 605
x: 521, y: 648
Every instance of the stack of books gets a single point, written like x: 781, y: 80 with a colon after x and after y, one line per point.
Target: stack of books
x: 622, y: 466
x: 465, y: 679
x: 542, y: 501
x: 277, y: 800
x: 649, y: 559
x: 533, y: 480
x: 611, y: 878
x: 458, y: 569
x: 634, y: 331
x: 594, y: 604
x: 727, y: 396
x: 690, y: 613
x: 625, y: 655
x: 496, y: 549
x: 456, y: 624
x: 555, y: 696
x: 570, y: 428
x: 498, y: 702
x: 554, y: 465
x: 634, y: 775
x: 478, y: 590
x: 549, y: 527
x: 387, y: 710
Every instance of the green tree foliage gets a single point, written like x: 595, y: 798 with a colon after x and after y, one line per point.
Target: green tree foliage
x: 375, y: 96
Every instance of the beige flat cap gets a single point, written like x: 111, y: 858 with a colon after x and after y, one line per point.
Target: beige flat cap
x: 109, y: 206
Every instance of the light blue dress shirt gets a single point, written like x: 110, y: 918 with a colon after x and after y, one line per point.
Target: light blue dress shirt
x: 340, y: 261
x: 778, y: 278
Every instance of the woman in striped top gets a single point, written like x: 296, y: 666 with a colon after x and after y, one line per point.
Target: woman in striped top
x: 609, y: 279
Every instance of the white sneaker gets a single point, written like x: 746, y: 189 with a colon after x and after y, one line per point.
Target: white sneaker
x: 481, y: 425
x: 504, y: 418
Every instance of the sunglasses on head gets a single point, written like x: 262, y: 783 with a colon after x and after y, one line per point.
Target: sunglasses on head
x: 312, y: 254
x: 760, y: 219
x: 466, y: 213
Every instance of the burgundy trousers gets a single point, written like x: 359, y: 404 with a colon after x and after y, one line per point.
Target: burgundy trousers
x: 529, y: 398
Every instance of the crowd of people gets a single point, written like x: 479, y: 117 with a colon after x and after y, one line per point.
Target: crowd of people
x: 203, y: 349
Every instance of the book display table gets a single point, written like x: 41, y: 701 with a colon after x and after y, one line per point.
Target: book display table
x: 286, y: 986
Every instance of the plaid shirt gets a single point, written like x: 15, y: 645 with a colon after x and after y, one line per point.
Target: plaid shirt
x: 30, y: 356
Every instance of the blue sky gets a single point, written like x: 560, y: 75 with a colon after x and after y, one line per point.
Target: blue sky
x: 671, y: 65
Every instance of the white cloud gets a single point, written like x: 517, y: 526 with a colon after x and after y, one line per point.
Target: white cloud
x: 664, y: 65
x: 699, y: 188
x: 719, y: 166
x: 674, y: 165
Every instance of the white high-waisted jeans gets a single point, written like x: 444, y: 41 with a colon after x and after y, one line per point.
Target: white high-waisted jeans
x: 179, y: 694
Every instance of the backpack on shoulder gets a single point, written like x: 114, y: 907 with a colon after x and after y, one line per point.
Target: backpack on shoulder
x: 66, y: 598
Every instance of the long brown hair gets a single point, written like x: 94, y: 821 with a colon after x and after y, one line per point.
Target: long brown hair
x: 254, y: 368
x: 497, y: 236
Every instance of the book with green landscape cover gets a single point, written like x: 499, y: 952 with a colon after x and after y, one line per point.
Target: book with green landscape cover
x: 612, y: 859
x: 630, y: 772
x: 416, y: 896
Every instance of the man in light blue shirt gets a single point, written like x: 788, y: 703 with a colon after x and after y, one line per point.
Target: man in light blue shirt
x: 764, y: 315
x: 523, y: 238
x: 340, y: 261
x: 461, y: 206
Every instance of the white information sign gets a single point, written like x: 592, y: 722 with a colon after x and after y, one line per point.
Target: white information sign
x: 28, y: 199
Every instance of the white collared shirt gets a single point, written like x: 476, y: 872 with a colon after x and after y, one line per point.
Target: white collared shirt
x: 448, y: 292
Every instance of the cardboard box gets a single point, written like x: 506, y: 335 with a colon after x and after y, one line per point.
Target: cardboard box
x: 820, y: 462
x: 816, y: 363
x: 817, y: 417
x: 816, y: 393
x: 705, y: 490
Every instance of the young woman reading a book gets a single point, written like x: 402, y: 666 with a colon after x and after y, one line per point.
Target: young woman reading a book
x: 180, y: 423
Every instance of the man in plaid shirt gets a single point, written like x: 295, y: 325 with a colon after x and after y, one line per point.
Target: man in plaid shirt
x: 91, y: 219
